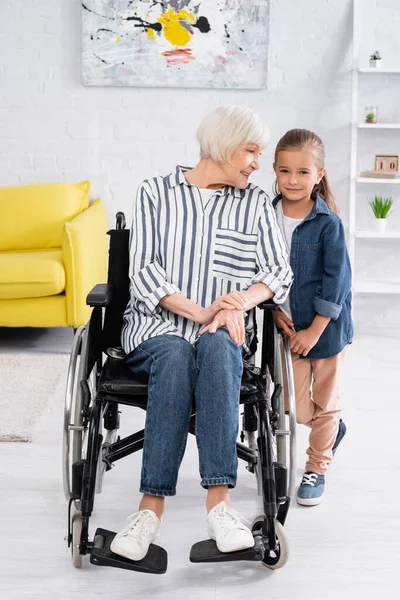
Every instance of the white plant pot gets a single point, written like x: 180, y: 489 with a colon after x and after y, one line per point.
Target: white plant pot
x: 381, y: 225
x: 375, y: 64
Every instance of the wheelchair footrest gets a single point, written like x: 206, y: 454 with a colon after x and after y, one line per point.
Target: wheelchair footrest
x: 207, y: 551
x: 155, y: 561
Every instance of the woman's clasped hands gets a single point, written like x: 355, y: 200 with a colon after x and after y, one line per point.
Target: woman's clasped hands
x: 228, y: 311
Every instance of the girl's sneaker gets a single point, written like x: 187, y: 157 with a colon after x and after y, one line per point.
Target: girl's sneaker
x: 133, y: 542
x: 311, y: 490
x: 226, y: 528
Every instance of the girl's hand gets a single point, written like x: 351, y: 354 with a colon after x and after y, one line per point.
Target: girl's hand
x: 283, y: 322
x: 233, y: 320
x: 302, y: 341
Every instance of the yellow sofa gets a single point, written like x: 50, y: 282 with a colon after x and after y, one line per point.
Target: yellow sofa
x: 53, y: 250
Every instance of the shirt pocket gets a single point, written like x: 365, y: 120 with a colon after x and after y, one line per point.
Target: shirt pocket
x: 312, y: 259
x: 234, y: 255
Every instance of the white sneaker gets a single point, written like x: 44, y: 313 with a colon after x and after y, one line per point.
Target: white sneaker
x: 225, y: 526
x: 133, y: 542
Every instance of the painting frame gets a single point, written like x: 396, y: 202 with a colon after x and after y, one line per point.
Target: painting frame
x: 175, y: 43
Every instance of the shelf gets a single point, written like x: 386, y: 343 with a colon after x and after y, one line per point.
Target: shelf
x: 379, y: 126
x: 390, y: 234
x: 368, y: 286
x: 376, y: 180
x: 378, y: 71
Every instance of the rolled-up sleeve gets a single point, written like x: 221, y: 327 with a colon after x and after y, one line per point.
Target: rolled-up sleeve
x: 149, y: 282
x: 272, y: 260
x: 336, y: 279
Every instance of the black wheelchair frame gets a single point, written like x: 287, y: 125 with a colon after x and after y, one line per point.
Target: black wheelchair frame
x: 99, y: 380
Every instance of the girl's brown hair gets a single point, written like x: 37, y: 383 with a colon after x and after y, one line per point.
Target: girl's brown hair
x: 299, y: 138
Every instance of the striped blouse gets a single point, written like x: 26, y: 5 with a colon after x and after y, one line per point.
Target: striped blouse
x: 182, y: 242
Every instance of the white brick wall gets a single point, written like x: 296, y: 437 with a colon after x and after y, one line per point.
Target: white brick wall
x: 55, y: 129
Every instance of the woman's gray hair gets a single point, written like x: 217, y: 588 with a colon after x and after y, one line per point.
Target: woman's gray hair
x: 228, y: 127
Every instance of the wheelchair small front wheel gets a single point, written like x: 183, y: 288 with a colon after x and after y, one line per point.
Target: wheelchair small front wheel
x: 76, y: 530
x: 274, y: 559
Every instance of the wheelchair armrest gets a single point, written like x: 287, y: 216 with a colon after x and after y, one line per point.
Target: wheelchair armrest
x: 100, y: 295
x: 268, y: 305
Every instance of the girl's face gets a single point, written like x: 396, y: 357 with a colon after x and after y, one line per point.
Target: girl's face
x: 243, y: 162
x: 297, y: 173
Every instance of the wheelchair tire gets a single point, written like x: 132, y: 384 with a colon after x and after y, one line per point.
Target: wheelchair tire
x: 76, y: 529
x: 274, y: 559
x: 285, y: 441
x: 74, y: 432
x: 69, y: 409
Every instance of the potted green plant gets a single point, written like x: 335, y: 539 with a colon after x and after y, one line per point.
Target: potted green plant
x: 371, y: 114
x: 375, y: 60
x: 381, y: 207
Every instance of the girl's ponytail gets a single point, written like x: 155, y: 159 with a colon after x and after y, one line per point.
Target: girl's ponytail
x: 325, y: 191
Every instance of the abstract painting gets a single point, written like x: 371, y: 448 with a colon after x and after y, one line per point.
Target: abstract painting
x: 176, y: 43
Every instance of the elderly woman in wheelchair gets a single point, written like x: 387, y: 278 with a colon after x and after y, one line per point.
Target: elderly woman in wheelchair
x: 205, y: 250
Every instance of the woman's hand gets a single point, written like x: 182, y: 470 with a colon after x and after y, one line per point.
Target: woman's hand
x: 233, y: 320
x: 233, y: 301
x: 302, y: 341
x: 283, y: 322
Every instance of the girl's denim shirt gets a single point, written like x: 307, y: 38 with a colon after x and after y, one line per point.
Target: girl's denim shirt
x: 322, y: 278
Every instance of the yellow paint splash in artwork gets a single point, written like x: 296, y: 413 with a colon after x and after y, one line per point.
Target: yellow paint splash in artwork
x: 150, y: 32
x: 173, y: 30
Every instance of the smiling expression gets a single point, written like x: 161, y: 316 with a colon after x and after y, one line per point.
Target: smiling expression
x: 244, y: 161
x: 297, y: 173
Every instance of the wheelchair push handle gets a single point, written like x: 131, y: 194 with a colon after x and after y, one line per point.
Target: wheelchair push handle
x: 120, y: 222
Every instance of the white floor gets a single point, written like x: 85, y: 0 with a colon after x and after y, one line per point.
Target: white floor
x: 348, y: 547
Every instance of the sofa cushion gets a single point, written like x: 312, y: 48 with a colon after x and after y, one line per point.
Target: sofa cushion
x: 33, y: 216
x: 31, y: 274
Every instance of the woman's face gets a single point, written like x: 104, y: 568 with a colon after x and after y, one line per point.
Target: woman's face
x: 244, y: 161
x: 297, y: 173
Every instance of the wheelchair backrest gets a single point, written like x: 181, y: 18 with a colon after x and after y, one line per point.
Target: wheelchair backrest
x: 118, y: 277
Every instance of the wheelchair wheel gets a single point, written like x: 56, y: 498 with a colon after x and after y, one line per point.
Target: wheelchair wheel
x: 285, y: 434
x: 283, y: 438
x: 75, y: 426
x: 76, y: 530
x: 274, y: 559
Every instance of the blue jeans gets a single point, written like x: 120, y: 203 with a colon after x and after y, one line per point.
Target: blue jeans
x: 210, y: 372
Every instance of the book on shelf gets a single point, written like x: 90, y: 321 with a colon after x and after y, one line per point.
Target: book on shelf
x: 380, y: 174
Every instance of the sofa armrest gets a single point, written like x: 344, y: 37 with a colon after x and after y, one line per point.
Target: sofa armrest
x: 100, y: 295
x: 84, y: 245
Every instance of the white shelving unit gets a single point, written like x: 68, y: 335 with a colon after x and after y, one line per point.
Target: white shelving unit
x: 393, y: 234
x: 379, y: 126
x: 377, y: 71
x: 373, y: 180
x: 366, y: 286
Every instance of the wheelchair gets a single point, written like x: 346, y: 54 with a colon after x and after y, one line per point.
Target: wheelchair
x: 99, y: 381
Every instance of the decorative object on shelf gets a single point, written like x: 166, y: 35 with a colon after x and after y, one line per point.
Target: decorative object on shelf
x: 387, y: 163
x: 375, y: 60
x: 386, y: 167
x: 381, y: 207
x: 371, y: 114
x: 175, y: 43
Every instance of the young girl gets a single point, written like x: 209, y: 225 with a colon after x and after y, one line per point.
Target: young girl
x: 317, y: 315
